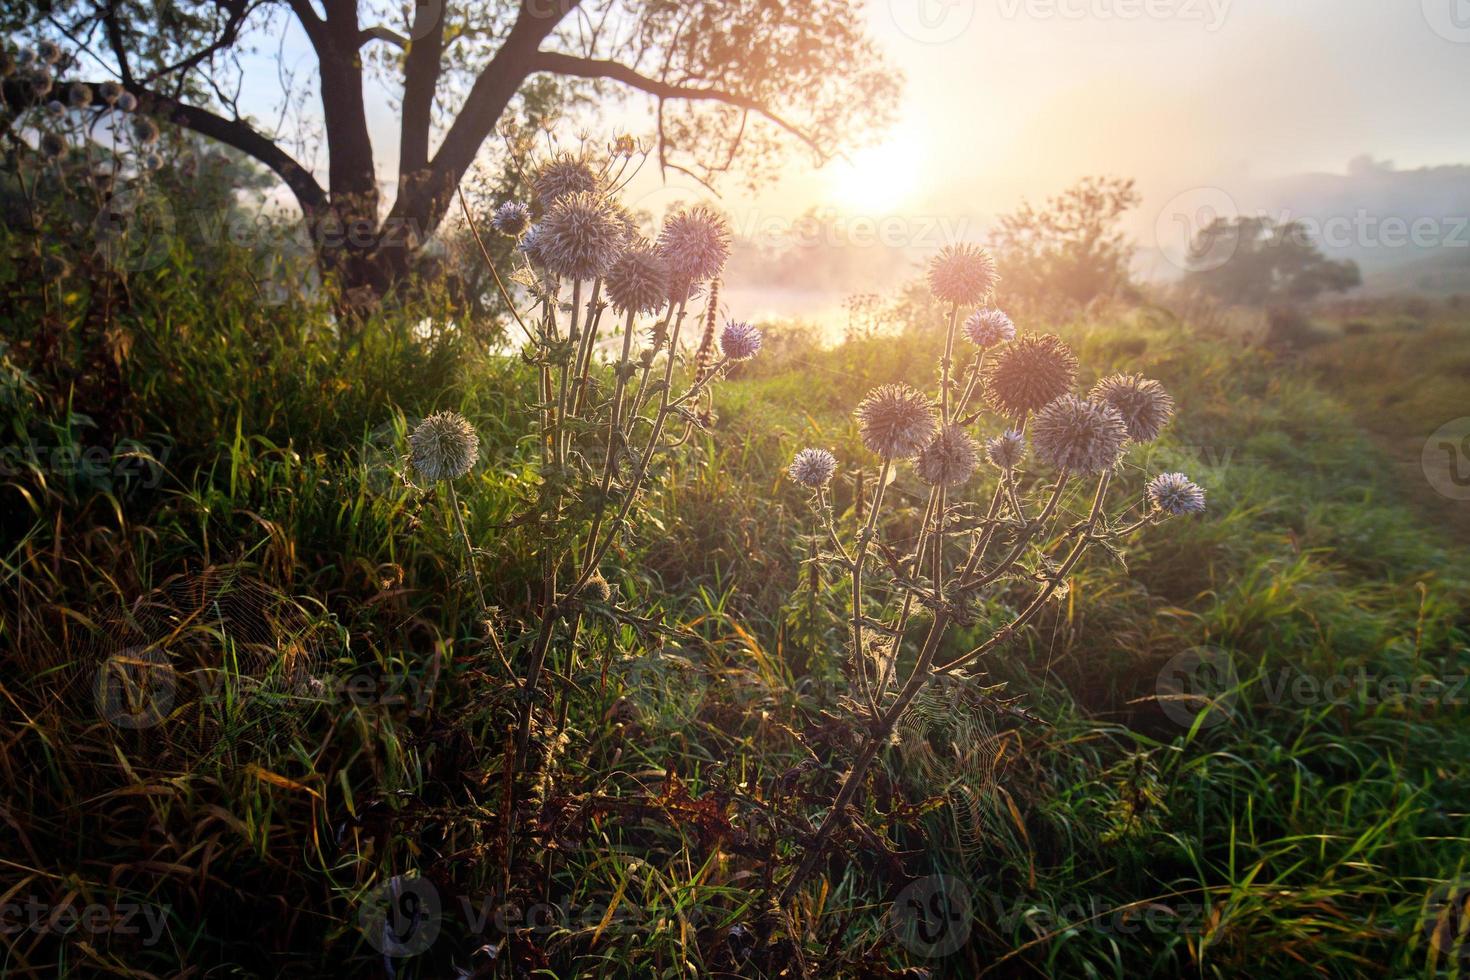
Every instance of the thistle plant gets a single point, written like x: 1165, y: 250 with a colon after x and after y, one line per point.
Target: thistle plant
x: 602, y: 314
x: 1052, y: 451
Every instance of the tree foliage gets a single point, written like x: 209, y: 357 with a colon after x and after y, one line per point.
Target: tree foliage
x: 1255, y: 261
x: 730, y: 82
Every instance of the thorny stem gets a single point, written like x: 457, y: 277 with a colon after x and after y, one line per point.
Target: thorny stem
x: 860, y: 660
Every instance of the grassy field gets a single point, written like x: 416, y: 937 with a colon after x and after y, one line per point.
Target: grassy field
x: 242, y: 478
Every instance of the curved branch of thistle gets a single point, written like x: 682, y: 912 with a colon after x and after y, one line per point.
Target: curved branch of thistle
x: 891, y: 661
x: 865, y: 538
x: 609, y: 465
x: 947, y: 362
x: 1084, y: 538
x: 826, y: 515
x: 584, y: 356
x: 1022, y: 542
x: 504, y: 293
x: 976, y: 366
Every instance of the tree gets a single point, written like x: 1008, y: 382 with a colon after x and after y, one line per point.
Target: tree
x: 1072, y: 250
x: 1256, y: 261
x: 724, y: 76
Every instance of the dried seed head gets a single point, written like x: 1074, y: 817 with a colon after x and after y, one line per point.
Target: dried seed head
x: 740, y: 341
x: 1175, y: 493
x: 564, y: 174
x: 1006, y: 450
x: 597, y: 589
x: 443, y: 446
x: 987, y: 328
x: 1079, y: 435
x: 950, y: 460
x: 895, y: 421
x: 145, y: 130
x: 109, y: 92
x: 696, y: 245
x: 53, y: 146
x: 962, y: 274
x: 638, y: 281
x: 1144, y: 404
x: 1029, y: 373
x: 79, y: 95
x: 812, y: 468
x: 511, y: 218
x: 48, y: 52
x: 581, y: 236
x: 127, y: 102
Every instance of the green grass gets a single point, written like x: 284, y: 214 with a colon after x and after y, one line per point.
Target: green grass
x: 1287, y: 833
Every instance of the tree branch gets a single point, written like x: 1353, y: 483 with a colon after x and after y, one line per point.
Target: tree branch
x: 558, y: 63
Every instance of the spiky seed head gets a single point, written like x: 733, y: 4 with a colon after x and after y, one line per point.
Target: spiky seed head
x: 127, y: 102
x: 153, y: 162
x: 49, y: 52
x: 26, y: 57
x: 895, y: 421
x: 145, y: 130
x: 963, y: 274
x: 55, y: 109
x: 1006, y: 450
x: 531, y: 244
x: 1144, y: 404
x: 950, y: 460
x: 638, y: 281
x: 696, y: 245
x: 597, y: 589
x: 511, y: 218
x: 41, y: 82
x: 109, y: 92
x: 564, y: 174
x: 740, y: 341
x: 581, y: 236
x: 812, y: 468
x: 79, y: 95
x: 1175, y: 493
x: 1028, y: 373
x: 1079, y: 435
x: 53, y: 146
x: 987, y: 328
x: 443, y: 446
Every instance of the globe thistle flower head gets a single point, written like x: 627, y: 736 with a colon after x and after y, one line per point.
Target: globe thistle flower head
x: 638, y: 281
x: 987, y: 328
x: 895, y: 421
x: 79, y: 95
x: 581, y: 236
x: 597, y: 589
x: 443, y: 446
x: 1144, y: 404
x: 26, y: 57
x: 153, y: 162
x: 55, y: 109
x: 53, y: 146
x: 109, y: 92
x: 1029, y: 373
x: 41, y: 82
x: 49, y: 52
x: 531, y: 244
x: 950, y: 460
x: 511, y: 218
x: 696, y: 245
x: 145, y: 130
x: 1006, y: 450
x: 1079, y: 435
x: 563, y: 174
x: 127, y: 102
x: 812, y: 468
x: 1175, y: 493
x: 740, y: 341
x: 962, y: 274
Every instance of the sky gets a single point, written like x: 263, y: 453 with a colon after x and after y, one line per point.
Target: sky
x: 1208, y: 104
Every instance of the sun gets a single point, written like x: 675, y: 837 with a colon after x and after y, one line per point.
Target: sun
x: 876, y: 179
